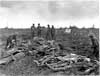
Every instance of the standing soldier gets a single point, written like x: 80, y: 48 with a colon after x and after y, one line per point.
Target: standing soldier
x: 39, y: 30
x: 33, y: 30
x: 48, y: 33
x: 95, y: 46
x: 53, y: 32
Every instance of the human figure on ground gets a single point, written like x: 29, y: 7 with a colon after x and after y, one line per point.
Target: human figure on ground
x: 53, y: 33
x: 11, y: 41
x: 33, y: 30
x: 95, y: 46
x: 39, y: 30
x: 48, y: 33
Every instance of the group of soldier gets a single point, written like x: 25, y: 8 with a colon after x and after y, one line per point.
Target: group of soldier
x: 49, y: 34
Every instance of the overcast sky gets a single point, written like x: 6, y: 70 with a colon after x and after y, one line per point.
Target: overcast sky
x: 60, y: 13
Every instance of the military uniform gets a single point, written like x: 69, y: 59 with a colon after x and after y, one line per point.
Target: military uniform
x: 11, y: 42
x: 53, y: 32
x: 39, y: 31
x: 48, y: 33
x: 33, y: 31
x: 95, y: 47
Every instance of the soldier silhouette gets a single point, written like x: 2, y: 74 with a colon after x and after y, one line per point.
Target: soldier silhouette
x: 33, y: 30
x: 95, y: 46
x: 53, y: 32
x: 48, y: 33
x: 39, y: 30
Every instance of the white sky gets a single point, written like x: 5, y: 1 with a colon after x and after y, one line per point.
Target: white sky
x: 60, y: 13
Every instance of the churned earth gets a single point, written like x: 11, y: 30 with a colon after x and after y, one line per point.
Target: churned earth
x: 77, y: 40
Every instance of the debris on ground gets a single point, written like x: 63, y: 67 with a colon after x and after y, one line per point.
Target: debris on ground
x: 48, y: 53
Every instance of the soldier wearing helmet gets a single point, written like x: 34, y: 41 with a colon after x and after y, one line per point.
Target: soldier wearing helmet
x: 39, y: 30
x: 53, y: 32
x: 95, y: 46
x: 33, y: 30
x: 48, y: 33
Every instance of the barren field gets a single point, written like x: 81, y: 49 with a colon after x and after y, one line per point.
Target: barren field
x: 77, y: 40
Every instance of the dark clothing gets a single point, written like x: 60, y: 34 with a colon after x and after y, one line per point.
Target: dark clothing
x: 95, y: 42
x: 33, y: 31
x: 39, y: 31
x: 48, y: 34
x: 53, y: 33
x: 11, y: 42
x: 95, y: 47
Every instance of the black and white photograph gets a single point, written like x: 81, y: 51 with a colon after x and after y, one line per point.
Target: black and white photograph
x: 49, y: 38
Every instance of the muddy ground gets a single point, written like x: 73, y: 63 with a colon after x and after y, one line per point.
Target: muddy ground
x: 77, y: 40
